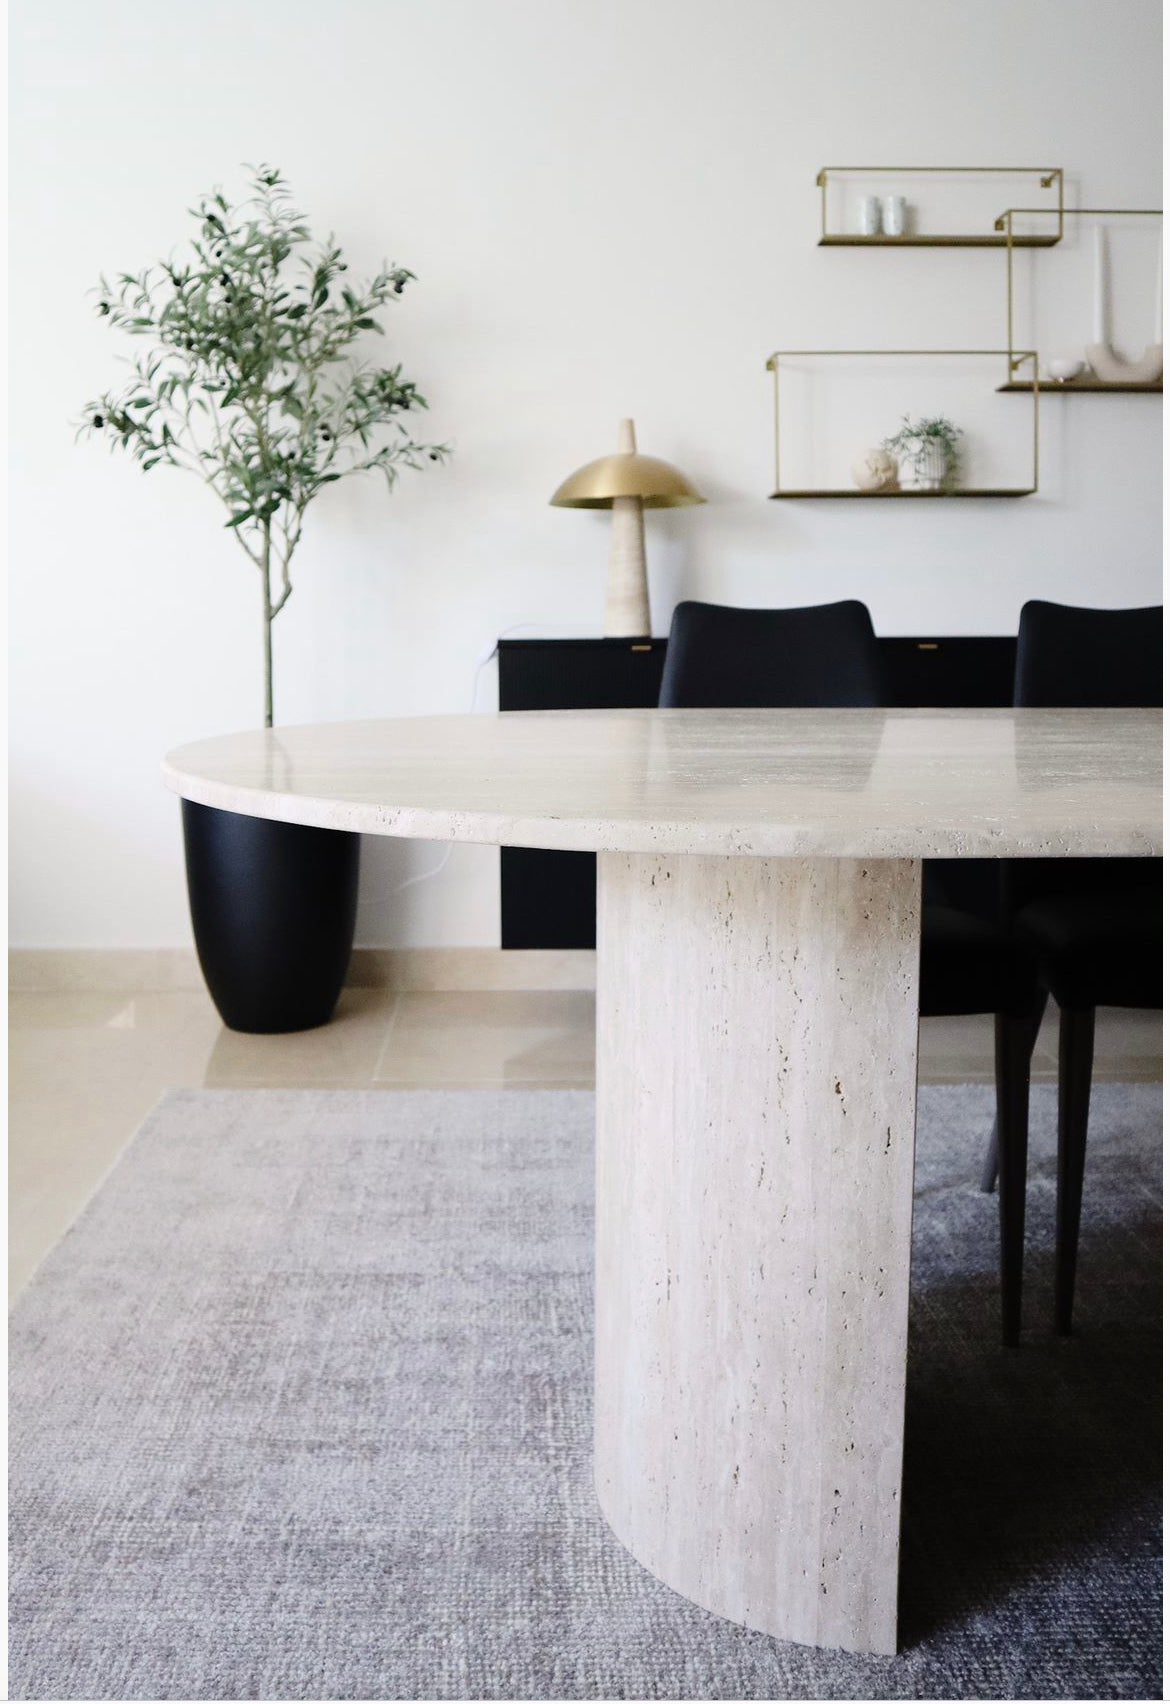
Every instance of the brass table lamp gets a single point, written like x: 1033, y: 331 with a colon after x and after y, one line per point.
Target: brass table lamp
x: 627, y: 483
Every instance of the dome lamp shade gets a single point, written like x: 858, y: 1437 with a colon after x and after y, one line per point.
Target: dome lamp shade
x: 628, y: 483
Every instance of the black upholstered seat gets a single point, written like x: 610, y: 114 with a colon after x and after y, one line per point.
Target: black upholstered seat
x: 971, y: 965
x: 1095, y: 948
x: 826, y: 655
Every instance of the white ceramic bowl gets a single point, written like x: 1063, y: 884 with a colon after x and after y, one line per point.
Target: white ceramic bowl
x: 1064, y: 367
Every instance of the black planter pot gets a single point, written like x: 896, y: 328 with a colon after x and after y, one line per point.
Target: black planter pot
x: 273, y: 907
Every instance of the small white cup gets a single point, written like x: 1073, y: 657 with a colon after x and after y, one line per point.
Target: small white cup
x: 894, y: 216
x: 869, y: 215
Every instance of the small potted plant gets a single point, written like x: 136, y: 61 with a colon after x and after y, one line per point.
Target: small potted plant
x: 927, y: 452
x: 249, y: 380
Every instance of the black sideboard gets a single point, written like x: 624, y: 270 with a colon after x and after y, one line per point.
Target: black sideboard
x: 547, y: 899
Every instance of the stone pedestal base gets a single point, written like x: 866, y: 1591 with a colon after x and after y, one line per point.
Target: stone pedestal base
x: 756, y: 1070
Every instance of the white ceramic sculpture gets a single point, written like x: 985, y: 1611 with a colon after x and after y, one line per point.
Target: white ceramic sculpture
x: 1106, y: 364
x: 1147, y: 370
x: 874, y: 470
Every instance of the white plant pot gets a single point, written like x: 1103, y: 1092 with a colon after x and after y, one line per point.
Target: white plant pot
x: 923, y: 467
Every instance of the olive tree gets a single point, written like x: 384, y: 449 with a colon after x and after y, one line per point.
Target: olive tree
x: 250, y: 377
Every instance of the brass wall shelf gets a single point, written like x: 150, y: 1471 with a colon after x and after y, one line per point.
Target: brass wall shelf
x: 843, y: 240
x: 794, y: 493
x: 884, y: 496
x: 1085, y: 387
x: 1013, y: 241
x: 1048, y: 176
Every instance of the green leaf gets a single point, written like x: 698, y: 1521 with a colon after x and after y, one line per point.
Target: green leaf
x: 273, y: 348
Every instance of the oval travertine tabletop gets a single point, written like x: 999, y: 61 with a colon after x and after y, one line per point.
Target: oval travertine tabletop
x: 787, y: 783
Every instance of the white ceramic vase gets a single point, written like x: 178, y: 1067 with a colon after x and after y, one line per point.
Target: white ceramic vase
x: 869, y: 215
x: 894, y: 216
x: 922, y: 466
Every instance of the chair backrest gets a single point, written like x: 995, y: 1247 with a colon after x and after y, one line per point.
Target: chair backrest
x: 1070, y: 657
x: 721, y: 658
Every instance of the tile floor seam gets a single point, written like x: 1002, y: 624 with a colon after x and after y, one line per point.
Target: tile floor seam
x: 391, y: 1025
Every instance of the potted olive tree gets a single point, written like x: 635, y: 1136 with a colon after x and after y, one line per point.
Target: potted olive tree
x: 249, y: 380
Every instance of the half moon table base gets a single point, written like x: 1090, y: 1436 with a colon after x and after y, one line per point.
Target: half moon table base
x: 756, y: 1067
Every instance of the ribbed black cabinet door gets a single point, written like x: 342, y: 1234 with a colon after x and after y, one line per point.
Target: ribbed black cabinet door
x: 974, y: 673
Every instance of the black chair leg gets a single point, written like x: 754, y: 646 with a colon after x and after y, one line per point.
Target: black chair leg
x: 991, y: 1158
x: 1072, y: 1129
x: 1014, y: 1040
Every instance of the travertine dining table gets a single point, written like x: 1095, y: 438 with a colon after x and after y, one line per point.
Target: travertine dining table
x: 759, y: 880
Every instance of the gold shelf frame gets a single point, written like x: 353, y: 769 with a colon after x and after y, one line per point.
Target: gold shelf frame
x: 1047, y: 176
x: 1016, y: 361
x: 1086, y: 386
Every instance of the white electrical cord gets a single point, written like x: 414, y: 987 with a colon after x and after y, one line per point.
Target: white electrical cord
x: 481, y: 663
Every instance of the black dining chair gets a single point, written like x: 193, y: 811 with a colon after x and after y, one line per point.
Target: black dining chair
x: 1093, y: 925
x: 826, y: 655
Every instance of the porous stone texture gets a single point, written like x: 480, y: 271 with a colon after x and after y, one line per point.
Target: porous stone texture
x: 757, y: 1051
x: 820, y: 783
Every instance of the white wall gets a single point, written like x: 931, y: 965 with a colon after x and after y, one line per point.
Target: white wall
x: 611, y: 210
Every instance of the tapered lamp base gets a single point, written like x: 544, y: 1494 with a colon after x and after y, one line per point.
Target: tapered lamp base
x: 627, y: 595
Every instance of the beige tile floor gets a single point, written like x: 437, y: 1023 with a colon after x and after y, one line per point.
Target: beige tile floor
x: 85, y: 1068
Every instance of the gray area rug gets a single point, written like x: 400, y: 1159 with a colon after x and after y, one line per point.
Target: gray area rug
x: 301, y: 1409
